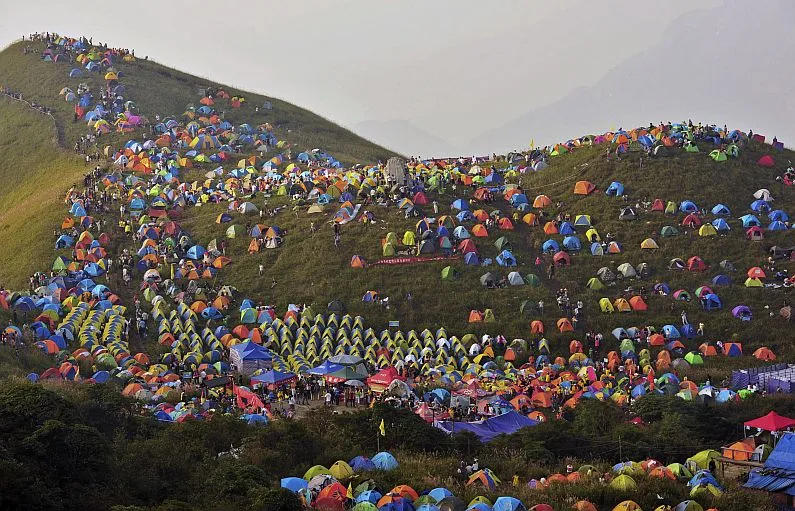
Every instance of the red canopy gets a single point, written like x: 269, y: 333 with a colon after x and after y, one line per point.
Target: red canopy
x: 771, y: 422
x: 385, y: 376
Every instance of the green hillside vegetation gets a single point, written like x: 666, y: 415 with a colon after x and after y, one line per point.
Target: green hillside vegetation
x: 84, y: 447
x: 35, y: 173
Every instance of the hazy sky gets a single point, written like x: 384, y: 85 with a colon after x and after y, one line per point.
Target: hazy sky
x: 418, y: 76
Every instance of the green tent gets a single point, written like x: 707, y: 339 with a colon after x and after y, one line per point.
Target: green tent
x: 595, y: 284
x: 717, y: 155
x: 449, y: 273
x: 623, y: 483
x: 532, y: 280
x: 233, y: 231
x: 668, y: 231
x: 691, y: 148
x: 694, y: 358
x: 502, y: 243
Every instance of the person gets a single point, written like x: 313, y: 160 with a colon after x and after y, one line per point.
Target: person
x: 684, y: 318
x: 273, y: 282
x: 515, y: 481
x: 312, y: 227
x: 261, y: 270
x: 700, y: 330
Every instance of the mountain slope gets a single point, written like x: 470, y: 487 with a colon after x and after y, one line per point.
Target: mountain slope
x: 37, y: 172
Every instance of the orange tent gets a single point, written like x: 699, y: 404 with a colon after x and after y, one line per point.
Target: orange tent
x: 253, y: 247
x: 542, y: 201
x: 708, y: 350
x: 505, y: 224
x: 657, y: 340
x: 357, y: 262
x: 530, y: 219
x: 740, y: 451
x: 542, y: 399
x: 550, y: 228
x: 637, y: 304
x: 475, y: 316
x: 564, y: 325
x: 480, y: 231
x: 765, y: 353
x: 584, y: 188
x: 536, y: 327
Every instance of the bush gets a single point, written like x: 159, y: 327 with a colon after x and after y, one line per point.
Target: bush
x: 277, y: 500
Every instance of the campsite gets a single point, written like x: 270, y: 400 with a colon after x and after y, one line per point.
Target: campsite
x: 224, y: 301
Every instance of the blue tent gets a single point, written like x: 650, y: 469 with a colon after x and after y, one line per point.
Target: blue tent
x: 64, y: 241
x: 777, y: 225
x: 362, y: 464
x: 721, y: 210
x: 196, y: 252
x: 572, y: 243
x: 721, y: 280
x: 760, y: 205
x: 472, y: 259
x: 550, y: 246
x: 460, y: 204
x: 596, y: 249
x: 384, y: 461
x: 720, y: 225
x: 371, y: 496
x: 294, y: 484
x: 566, y: 229
x: 272, y: 377
x: 465, y: 216
x: 750, y: 221
x: 508, y: 504
x: 506, y: 258
x: 615, y: 189
x: 251, y: 351
x: 518, y: 198
x: 712, y: 302
x: 325, y: 368
x: 778, y: 215
x: 671, y: 332
x: 494, y: 178
x: 688, y: 207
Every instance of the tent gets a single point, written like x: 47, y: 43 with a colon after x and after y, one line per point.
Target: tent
x: 488, y: 429
x: 583, y: 188
x: 766, y: 161
x: 771, y: 422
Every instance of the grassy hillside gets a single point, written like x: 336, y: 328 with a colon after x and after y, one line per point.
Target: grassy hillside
x: 35, y: 173
x: 308, y: 268
x: 39, y: 173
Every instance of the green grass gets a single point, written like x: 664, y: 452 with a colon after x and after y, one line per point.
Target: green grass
x: 35, y: 173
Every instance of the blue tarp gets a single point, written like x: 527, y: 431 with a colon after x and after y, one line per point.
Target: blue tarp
x: 487, y: 430
x: 778, y: 474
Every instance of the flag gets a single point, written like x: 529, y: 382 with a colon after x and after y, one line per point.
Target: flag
x: 350, y: 491
x: 382, y: 428
x: 532, y: 143
x: 172, y: 271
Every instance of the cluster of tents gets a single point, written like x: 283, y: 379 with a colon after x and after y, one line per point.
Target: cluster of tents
x: 324, y: 488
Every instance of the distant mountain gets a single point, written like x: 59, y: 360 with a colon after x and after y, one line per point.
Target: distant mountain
x: 404, y: 137
x: 690, y: 73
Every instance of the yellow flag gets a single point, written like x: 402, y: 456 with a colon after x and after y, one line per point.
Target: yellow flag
x: 532, y: 143
x: 382, y: 428
x: 350, y: 491
x: 172, y: 271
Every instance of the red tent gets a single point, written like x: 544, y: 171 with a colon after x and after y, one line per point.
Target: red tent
x: 766, y: 161
x: 771, y: 422
x: 384, y: 377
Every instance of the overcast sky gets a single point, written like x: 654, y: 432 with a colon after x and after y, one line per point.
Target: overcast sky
x: 417, y: 76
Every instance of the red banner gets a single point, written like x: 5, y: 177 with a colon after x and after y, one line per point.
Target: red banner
x: 412, y: 260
